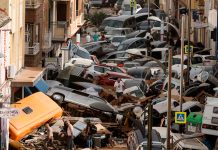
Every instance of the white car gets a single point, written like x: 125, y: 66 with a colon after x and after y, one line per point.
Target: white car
x: 207, y: 60
x: 81, y: 62
x: 95, y: 71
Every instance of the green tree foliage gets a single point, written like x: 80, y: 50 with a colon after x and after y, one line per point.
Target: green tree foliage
x: 96, y: 18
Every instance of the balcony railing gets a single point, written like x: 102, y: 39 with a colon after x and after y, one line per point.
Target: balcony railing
x: 59, y: 30
x: 33, y: 50
x: 47, y: 40
x: 32, y: 4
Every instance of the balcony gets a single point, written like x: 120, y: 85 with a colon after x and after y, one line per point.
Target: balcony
x: 32, y: 50
x: 47, y: 40
x: 59, y: 31
x: 33, y: 4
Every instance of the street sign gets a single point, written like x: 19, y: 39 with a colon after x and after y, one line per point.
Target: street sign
x: 133, y: 3
x: 190, y: 49
x: 180, y: 117
x: 8, y: 112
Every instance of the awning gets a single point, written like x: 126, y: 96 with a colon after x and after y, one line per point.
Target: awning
x: 27, y: 76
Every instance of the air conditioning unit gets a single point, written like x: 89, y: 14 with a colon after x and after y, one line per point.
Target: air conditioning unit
x: 11, y: 71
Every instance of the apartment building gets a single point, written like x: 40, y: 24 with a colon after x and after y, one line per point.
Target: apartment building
x: 37, y: 33
x: 67, y: 17
x: 11, y: 54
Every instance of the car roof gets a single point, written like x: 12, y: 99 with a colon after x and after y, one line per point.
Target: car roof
x: 118, y: 74
x: 141, y: 14
x: 158, y: 42
x: 134, y: 33
x: 186, y: 105
x: 120, y: 18
x: 120, y: 29
x: 139, y: 68
x: 159, y: 49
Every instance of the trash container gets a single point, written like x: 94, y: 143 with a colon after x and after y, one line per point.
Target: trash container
x: 194, y: 121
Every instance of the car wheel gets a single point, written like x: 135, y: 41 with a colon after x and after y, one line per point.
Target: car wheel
x: 58, y: 98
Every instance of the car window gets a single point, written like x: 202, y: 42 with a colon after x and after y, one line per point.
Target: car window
x: 172, y: 86
x: 82, y: 54
x: 195, y: 109
x: 157, y: 55
x: 133, y: 45
x: 210, y: 57
x: 112, y: 56
x: 120, y: 55
x: 99, y: 69
x: 214, y: 120
x: 141, y: 34
x: 117, y: 70
x: 73, y: 61
x: 196, y: 60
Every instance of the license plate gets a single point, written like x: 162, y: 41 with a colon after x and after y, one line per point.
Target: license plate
x: 191, y: 128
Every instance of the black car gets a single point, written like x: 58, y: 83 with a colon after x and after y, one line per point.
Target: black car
x: 132, y: 43
x: 99, y: 48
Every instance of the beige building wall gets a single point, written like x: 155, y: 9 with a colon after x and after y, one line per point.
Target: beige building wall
x: 17, y: 15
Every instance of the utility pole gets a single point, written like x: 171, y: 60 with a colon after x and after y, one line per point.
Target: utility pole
x: 150, y: 107
x: 169, y: 97
x: 182, y: 61
x: 189, y: 53
x: 169, y: 82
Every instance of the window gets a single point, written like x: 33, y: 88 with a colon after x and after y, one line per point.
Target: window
x: 82, y: 54
x: 27, y: 110
x: 116, y: 70
x: 214, y: 120
x: 195, y: 109
x: 73, y: 62
x: 210, y: 57
x: 172, y: 86
x: 215, y: 110
x: 112, y: 56
x: 120, y: 55
x: 133, y: 45
x: 99, y: 69
x: 157, y: 55
x: 196, y: 60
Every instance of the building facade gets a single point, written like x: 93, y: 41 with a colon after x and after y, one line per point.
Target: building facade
x: 11, y: 54
x: 67, y: 17
x: 37, y: 34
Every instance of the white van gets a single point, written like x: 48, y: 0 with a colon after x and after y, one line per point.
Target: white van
x: 210, y: 117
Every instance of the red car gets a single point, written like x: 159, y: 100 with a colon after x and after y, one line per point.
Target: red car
x: 110, y: 78
x: 114, y: 68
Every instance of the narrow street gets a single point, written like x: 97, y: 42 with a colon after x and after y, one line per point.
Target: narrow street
x: 108, y: 75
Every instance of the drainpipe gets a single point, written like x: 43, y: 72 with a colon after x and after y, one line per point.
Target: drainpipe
x: 54, y: 17
x: 217, y: 34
